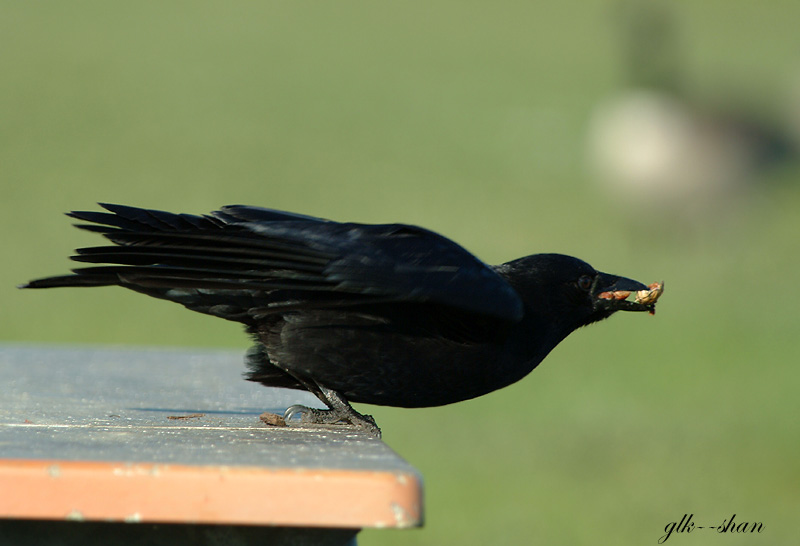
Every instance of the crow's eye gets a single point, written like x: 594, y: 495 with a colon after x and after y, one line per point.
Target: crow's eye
x: 585, y: 282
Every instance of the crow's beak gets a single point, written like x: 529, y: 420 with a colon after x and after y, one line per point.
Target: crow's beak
x: 611, y: 293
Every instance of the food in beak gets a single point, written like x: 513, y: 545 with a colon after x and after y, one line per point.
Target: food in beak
x: 616, y: 295
x: 651, y: 295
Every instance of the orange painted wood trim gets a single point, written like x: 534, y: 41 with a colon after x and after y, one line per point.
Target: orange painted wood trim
x: 234, y: 495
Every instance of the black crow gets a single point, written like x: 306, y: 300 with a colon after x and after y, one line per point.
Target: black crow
x: 387, y: 314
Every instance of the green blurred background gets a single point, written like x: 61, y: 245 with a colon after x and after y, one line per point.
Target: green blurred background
x: 472, y: 119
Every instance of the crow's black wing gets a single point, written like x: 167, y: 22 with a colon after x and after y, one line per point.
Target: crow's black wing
x: 242, y: 263
x: 397, y: 262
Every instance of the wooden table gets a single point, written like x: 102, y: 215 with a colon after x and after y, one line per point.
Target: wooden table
x: 165, y: 446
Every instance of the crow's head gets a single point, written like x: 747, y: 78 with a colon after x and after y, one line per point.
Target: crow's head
x: 568, y: 293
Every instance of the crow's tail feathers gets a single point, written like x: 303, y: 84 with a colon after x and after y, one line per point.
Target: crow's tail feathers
x: 214, y: 263
x: 72, y: 280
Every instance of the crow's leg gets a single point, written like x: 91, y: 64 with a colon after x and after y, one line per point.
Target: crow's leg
x: 340, y: 411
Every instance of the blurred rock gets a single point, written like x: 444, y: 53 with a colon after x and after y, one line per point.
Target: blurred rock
x: 656, y: 151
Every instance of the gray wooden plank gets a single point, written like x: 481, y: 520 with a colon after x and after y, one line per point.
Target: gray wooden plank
x: 113, y: 404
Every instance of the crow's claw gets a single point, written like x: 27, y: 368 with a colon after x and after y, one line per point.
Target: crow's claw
x: 332, y: 417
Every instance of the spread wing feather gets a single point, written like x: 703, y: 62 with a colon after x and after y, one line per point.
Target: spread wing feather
x: 243, y: 263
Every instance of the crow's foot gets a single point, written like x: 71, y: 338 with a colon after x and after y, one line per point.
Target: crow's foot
x: 338, y: 415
